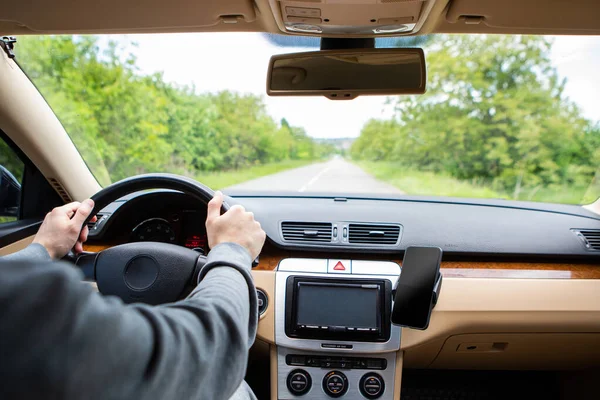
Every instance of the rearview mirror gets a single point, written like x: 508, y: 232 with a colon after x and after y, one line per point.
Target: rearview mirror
x: 346, y: 74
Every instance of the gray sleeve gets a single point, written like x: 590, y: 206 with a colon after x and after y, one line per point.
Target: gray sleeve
x: 61, y: 340
x: 33, y: 252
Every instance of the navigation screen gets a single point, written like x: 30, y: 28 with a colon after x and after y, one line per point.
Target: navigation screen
x: 337, y: 305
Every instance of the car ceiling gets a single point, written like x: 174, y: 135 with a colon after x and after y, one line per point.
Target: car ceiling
x: 428, y: 16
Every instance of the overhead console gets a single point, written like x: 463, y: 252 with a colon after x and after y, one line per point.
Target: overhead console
x: 351, y: 17
x: 332, y: 329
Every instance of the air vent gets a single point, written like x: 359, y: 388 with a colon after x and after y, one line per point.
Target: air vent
x: 591, y: 238
x: 91, y: 225
x: 373, y: 234
x: 60, y: 190
x: 306, y: 231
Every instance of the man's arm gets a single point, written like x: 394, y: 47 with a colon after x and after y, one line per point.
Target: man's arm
x: 59, y: 339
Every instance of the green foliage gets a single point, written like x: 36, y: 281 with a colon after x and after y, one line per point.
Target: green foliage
x: 124, y: 123
x: 494, y: 112
x: 426, y: 183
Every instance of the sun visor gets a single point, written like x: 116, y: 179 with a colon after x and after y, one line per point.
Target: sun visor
x: 568, y: 15
x: 65, y: 16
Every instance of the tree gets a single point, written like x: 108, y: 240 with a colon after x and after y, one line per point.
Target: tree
x: 125, y: 123
x: 494, y: 111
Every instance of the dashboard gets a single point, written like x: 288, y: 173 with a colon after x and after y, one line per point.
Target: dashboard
x: 167, y: 217
x: 521, y: 283
x: 487, y: 229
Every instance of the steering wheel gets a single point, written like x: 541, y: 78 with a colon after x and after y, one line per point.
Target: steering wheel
x: 146, y: 272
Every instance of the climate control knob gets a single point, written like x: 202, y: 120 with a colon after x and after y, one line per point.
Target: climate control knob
x: 299, y: 382
x: 371, y: 385
x: 335, y: 384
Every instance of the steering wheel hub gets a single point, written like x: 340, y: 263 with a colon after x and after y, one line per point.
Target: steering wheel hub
x: 141, y: 272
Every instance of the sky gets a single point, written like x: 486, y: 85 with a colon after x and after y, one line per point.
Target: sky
x: 239, y: 61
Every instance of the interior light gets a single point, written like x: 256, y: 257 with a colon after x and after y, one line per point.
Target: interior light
x: 392, y: 29
x: 306, y: 28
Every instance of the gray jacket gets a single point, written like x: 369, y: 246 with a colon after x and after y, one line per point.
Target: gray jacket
x: 59, y: 339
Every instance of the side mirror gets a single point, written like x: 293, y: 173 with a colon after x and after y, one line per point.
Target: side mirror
x: 10, y: 194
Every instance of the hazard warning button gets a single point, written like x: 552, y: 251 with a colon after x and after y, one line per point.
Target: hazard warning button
x: 339, y: 266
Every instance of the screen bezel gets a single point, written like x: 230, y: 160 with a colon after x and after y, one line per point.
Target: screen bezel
x: 384, y: 302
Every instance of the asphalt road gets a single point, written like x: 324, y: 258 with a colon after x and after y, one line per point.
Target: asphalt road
x: 336, y: 175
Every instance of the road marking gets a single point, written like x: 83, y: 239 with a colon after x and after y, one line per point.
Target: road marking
x: 314, y: 179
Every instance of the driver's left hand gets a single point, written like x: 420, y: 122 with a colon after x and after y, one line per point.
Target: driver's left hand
x: 61, y: 230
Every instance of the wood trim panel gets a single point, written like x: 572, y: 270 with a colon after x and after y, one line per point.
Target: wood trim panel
x: 95, y: 248
x: 271, y: 257
x: 475, y: 269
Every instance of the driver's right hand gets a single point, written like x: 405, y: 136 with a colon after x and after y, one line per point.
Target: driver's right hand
x: 235, y: 226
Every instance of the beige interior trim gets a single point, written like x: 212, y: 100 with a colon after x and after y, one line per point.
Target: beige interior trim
x: 594, y: 207
x: 16, y: 246
x: 273, y: 376
x: 472, y: 305
x: 117, y: 16
x: 576, y: 17
x: 398, y: 377
x: 265, y: 280
x: 445, y: 16
x: 28, y: 120
x: 520, y: 351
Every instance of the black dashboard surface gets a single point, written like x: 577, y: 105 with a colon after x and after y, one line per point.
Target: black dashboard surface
x: 462, y: 227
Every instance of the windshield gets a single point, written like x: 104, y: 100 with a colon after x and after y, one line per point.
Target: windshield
x: 506, y: 117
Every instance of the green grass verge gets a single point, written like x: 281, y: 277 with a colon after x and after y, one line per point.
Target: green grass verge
x: 424, y: 183
x: 223, y: 179
x: 428, y: 183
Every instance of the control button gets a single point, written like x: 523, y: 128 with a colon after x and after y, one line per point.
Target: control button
x: 376, y: 363
x: 292, y: 359
x: 299, y: 382
x: 345, y: 232
x: 314, y: 362
x: 335, y: 231
x: 263, y: 301
x: 335, y: 384
x: 361, y: 267
x: 339, y: 266
x: 359, y: 363
x: 303, y: 12
x: 371, y: 385
x: 304, y: 20
x: 303, y: 265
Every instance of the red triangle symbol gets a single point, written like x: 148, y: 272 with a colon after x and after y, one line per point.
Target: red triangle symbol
x: 339, y: 266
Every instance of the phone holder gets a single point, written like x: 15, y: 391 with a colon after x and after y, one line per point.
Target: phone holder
x: 436, y: 291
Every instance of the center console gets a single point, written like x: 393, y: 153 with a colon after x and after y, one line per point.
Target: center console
x: 332, y: 329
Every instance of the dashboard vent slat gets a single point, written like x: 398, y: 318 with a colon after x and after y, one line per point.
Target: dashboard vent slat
x: 590, y: 237
x: 373, y: 234
x: 293, y: 231
x: 91, y: 225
